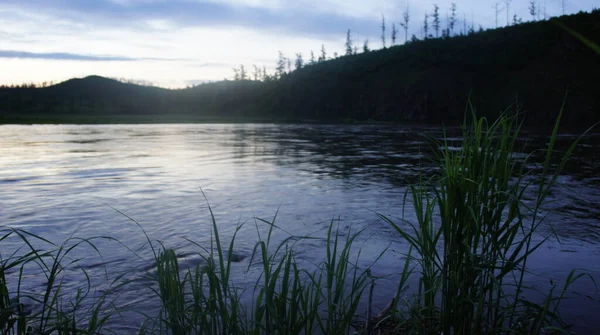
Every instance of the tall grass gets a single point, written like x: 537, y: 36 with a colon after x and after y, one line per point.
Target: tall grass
x: 54, y: 310
x: 285, y: 299
x: 474, y: 232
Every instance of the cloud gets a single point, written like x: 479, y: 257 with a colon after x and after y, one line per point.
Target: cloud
x: 303, y: 18
x: 71, y: 56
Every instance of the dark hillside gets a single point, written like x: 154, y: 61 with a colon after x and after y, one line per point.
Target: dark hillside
x: 533, y: 63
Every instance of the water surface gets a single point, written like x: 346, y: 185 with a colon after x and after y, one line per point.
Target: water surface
x: 72, y: 180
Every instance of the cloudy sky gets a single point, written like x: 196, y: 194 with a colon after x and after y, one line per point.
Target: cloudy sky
x: 175, y: 43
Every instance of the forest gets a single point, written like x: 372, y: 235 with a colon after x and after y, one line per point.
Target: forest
x: 533, y: 67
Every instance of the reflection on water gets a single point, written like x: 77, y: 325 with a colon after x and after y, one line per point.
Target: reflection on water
x: 62, y: 180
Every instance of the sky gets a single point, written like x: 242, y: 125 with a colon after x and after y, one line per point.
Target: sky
x: 178, y: 43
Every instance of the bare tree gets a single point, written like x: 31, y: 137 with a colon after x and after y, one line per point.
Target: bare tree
x: 394, y: 33
x: 507, y: 8
x: 498, y: 11
x: 404, y: 24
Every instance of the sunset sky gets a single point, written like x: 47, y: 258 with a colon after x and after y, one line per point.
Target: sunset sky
x: 176, y: 43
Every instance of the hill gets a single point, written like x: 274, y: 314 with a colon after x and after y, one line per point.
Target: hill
x: 531, y: 67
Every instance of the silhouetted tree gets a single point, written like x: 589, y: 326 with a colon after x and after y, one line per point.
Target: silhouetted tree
x: 323, y: 56
x: 256, y: 72
x: 243, y: 75
x: 383, y: 30
x: 426, y: 26
x: 414, y: 38
x: 394, y: 33
x: 348, y: 43
x: 280, y: 69
x: 507, y: 8
x: 436, y: 20
x: 497, y: 10
x: 446, y: 33
x: 404, y: 24
x: 516, y: 20
x: 264, y: 73
x: 299, y: 61
x: 236, y: 74
x: 289, y: 65
x: 312, y: 58
x: 366, y: 46
x: 452, y: 18
x: 335, y: 55
x: 532, y: 9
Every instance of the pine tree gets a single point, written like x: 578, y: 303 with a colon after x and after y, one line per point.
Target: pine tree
x: 366, y: 46
x: 299, y: 61
x: 532, y: 9
x: 256, y: 72
x: 243, y: 75
x: 312, y: 58
x: 426, y: 26
x: 394, y: 33
x: 348, y: 43
x: 452, y: 18
x: 516, y: 20
x: 236, y: 74
x: 436, y: 20
x: 323, y: 56
x: 383, y: 30
x: 280, y: 69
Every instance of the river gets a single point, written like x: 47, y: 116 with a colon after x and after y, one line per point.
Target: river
x: 59, y: 181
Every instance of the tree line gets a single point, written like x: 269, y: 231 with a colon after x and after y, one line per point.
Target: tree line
x: 431, y: 28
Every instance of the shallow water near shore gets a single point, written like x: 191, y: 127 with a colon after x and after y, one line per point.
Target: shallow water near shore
x: 62, y: 180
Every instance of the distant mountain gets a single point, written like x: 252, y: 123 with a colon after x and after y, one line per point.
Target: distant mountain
x: 532, y: 67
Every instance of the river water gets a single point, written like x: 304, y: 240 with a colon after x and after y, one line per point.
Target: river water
x: 59, y: 181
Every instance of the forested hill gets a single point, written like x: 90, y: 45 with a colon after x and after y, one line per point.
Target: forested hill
x: 532, y: 65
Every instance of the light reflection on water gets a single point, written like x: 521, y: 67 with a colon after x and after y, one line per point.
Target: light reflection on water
x: 56, y: 181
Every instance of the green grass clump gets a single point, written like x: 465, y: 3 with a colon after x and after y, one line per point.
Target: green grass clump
x: 474, y: 233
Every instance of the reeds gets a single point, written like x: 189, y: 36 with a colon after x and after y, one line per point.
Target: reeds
x: 474, y: 233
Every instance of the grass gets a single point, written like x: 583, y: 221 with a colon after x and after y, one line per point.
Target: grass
x: 469, y: 247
